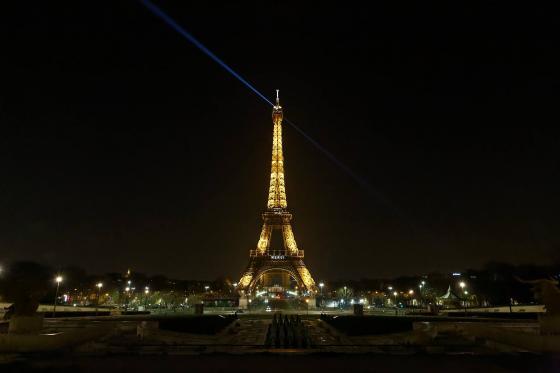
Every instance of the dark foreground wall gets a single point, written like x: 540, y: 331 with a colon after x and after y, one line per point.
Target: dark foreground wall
x: 369, y: 325
x: 208, y: 324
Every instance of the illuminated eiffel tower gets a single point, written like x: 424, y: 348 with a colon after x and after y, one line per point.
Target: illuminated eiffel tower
x: 277, y: 267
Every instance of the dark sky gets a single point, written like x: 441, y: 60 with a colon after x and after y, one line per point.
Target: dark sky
x: 123, y: 146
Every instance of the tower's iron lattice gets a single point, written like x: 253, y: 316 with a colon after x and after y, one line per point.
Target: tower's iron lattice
x: 264, y: 259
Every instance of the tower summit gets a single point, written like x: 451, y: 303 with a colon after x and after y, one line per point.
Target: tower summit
x: 276, y: 267
x: 277, y: 189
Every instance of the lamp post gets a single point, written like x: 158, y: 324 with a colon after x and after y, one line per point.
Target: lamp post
x: 321, y: 285
x: 99, y: 286
x: 58, y: 280
x: 127, y: 290
x: 146, y: 292
x: 463, y: 285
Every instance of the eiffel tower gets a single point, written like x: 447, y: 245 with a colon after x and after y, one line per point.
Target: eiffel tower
x: 274, y: 266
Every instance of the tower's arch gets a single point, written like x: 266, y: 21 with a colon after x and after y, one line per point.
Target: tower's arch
x: 273, y: 276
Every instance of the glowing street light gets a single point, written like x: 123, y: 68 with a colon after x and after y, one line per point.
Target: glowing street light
x: 58, y: 280
x: 127, y: 296
x: 146, y: 292
x: 462, y: 285
x: 99, y: 286
x: 321, y: 286
x: 411, y: 293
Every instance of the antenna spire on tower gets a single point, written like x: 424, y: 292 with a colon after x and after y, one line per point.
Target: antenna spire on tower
x: 277, y: 97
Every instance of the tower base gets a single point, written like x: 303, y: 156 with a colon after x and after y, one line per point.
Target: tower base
x: 268, y: 267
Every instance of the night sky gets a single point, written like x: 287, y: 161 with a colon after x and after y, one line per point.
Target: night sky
x: 123, y: 146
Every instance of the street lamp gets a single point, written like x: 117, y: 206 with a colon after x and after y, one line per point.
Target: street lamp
x: 146, y: 292
x: 321, y: 285
x: 127, y: 290
x: 421, y: 286
x: 58, y: 280
x: 389, y: 297
x: 462, y: 285
x: 99, y: 286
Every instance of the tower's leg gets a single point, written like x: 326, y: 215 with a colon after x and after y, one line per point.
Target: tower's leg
x: 264, y: 240
x: 306, y: 277
x: 244, y: 302
x: 289, y: 240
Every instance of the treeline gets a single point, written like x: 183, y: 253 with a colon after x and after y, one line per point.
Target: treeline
x: 37, y: 281
x: 496, y: 283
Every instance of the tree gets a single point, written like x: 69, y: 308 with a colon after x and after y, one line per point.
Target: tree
x: 25, y: 284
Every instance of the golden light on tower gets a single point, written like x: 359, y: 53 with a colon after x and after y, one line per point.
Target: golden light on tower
x: 277, y: 189
x: 288, y: 259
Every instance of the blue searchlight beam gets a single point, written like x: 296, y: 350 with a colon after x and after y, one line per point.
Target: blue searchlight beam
x: 171, y: 22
